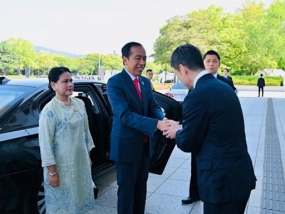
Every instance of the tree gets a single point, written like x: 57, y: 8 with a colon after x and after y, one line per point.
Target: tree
x: 26, y: 52
x: 155, y: 67
x: 8, y: 58
x: 207, y: 29
x: 85, y: 66
x: 172, y: 35
x: 111, y: 62
x: 275, y: 32
x: 65, y: 61
x: 45, y: 62
x: 247, y: 41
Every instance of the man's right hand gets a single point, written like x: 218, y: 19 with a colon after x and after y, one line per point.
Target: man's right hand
x: 162, y: 125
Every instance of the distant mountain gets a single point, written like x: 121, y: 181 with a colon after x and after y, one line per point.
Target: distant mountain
x: 40, y: 48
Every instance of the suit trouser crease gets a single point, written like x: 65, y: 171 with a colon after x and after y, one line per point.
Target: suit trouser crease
x: 193, y: 187
x: 132, y: 185
x: 262, y: 91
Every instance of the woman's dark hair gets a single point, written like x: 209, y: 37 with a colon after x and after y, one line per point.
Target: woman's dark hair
x: 54, y: 74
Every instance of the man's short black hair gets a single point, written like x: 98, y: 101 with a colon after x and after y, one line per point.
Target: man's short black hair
x: 212, y: 52
x: 187, y: 55
x: 148, y: 70
x: 126, y: 50
x: 226, y: 69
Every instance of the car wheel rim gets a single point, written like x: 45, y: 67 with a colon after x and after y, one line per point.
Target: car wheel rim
x: 41, y: 200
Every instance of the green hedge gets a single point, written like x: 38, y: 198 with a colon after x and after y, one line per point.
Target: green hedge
x: 252, y: 80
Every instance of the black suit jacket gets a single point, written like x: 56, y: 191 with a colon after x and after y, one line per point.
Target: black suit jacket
x: 261, y: 82
x: 213, y: 128
x: 227, y: 81
x: 229, y: 78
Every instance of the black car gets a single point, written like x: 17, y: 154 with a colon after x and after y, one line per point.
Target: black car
x: 21, y: 102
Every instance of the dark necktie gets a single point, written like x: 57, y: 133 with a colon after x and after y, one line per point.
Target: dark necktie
x: 136, y: 81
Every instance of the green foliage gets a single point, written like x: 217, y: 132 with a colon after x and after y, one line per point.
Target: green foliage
x: 111, y: 62
x: 8, y: 59
x: 247, y: 41
x: 155, y: 67
x: 25, y: 50
x: 44, y: 63
x: 252, y: 80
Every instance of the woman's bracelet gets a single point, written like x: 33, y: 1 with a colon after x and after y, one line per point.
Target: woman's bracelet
x: 52, y: 174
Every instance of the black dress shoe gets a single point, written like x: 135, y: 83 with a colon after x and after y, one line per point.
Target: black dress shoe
x: 190, y: 200
x: 95, y: 189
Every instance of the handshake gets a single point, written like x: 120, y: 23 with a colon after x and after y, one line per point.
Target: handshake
x: 168, y: 127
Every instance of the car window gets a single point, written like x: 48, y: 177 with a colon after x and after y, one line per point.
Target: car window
x: 178, y: 85
x: 9, y: 95
x: 87, y: 99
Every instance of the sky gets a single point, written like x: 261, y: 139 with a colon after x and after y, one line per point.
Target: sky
x: 96, y: 26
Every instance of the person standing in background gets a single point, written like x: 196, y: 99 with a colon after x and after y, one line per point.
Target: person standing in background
x: 212, y: 62
x: 65, y: 143
x: 260, y: 85
x: 149, y: 75
x: 226, y: 74
x: 136, y: 118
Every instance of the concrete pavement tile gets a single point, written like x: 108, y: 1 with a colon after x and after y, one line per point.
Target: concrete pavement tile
x: 252, y: 153
x: 258, y: 170
x: 178, y: 153
x: 181, y: 175
x: 253, y: 210
x: 255, y: 198
x: 109, y: 179
x: 174, y: 187
x: 259, y: 182
x: 186, y: 165
x: 175, y: 162
x: 259, y: 160
x: 103, y: 189
x: 108, y: 199
x: 168, y: 171
x: 198, y: 208
x: 162, y: 204
x: 154, y: 183
x: 103, y: 210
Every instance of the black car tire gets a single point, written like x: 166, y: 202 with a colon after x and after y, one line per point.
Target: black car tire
x: 34, y: 200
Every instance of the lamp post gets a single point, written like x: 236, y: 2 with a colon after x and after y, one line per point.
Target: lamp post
x: 99, y: 62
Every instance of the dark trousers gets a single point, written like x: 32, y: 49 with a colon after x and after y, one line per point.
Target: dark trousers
x: 236, y: 207
x: 262, y: 91
x: 193, y: 187
x: 132, y: 182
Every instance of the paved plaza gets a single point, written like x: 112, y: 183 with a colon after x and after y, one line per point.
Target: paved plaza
x: 265, y: 130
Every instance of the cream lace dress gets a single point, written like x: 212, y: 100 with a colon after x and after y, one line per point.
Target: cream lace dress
x: 65, y: 141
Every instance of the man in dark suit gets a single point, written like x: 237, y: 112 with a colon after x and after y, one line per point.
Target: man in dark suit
x: 260, y: 85
x: 212, y: 63
x: 136, y: 118
x: 212, y: 128
x: 211, y: 60
x: 149, y: 75
x: 226, y: 74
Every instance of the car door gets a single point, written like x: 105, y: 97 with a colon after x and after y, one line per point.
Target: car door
x: 163, y: 146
